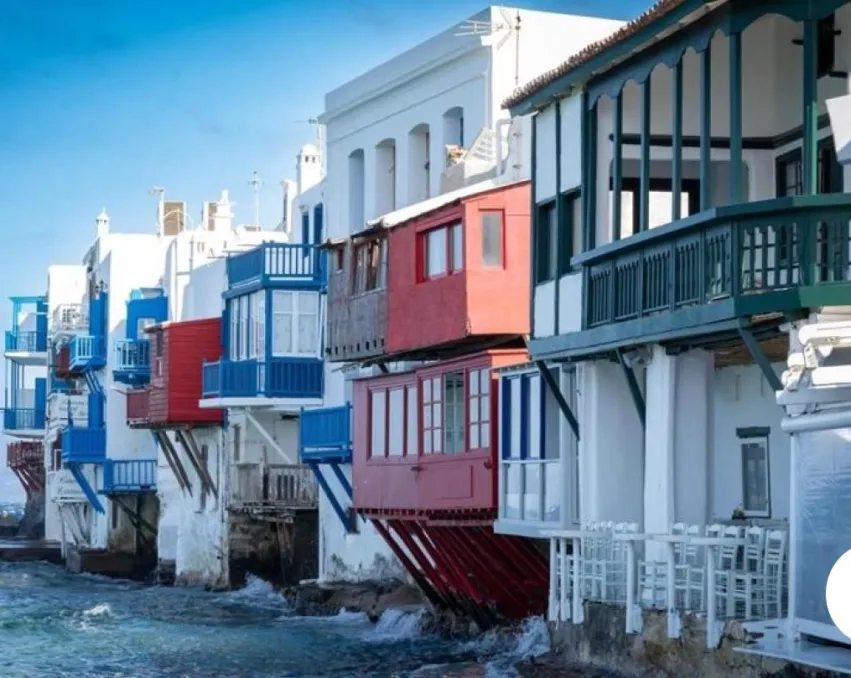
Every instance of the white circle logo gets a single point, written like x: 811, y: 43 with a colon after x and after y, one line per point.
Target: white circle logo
x: 837, y: 593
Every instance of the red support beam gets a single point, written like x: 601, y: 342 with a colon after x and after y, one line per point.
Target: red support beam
x: 401, y: 529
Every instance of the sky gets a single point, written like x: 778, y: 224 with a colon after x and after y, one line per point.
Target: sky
x: 100, y: 100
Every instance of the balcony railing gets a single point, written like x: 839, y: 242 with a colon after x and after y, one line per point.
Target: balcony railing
x: 129, y: 475
x: 326, y: 434
x: 295, y: 264
x: 755, y: 254
x: 278, y: 378
x: 137, y: 407
x: 21, y: 453
x: 23, y: 419
x: 88, y: 352
x: 284, y: 485
x: 83, y: 445
x: 26, y: 341
x: 68, y: 318
x: 132, y: 361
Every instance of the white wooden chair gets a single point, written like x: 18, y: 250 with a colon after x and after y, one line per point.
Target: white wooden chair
x: 748, y: 585
x: 726, y: 567
x: 763, y: 588
x: 653, y: 576
x: 689, y: 570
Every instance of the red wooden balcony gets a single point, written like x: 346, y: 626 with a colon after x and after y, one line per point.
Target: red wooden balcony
x: 178, y: 350
x: 425, y: 440
x: 458, y: 277
x: 26, y: 461
x: 62, y: 363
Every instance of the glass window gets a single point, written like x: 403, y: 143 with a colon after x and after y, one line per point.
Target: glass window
x: 756, y: 499
x: 479, y: 399
x: 257, y: 345
x: 233, y: 314
x: 141, y: 325
x: 457, y: 249
x: 492, y: 239
x: 295, y: 312
x: 545, y: 242
x: 435, y: 253
x: 243, y: 328
x: 453, y: 413
x: 308, y: 323
x: 411, y: 421
x: 396, y: 423
x: 378, y: 405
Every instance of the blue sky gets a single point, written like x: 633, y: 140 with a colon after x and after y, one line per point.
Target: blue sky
x: 101, y: 100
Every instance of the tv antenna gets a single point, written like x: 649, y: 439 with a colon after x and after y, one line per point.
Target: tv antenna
x: 488, y: 28
x: 255, y: 183
x: 159, y: 191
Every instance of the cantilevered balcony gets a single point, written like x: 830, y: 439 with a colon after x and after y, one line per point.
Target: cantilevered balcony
x: 276, y: 264
x: 83, y: 445
x: 69, y: 319
x: 88, y: 352
x: 132, y: 362
x: 23, y: 421
x: 129, y: 476
x: 325, y: 435
x: 284, y: 378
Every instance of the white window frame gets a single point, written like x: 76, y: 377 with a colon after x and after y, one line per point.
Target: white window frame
x: 455, y: 414
x: 257, y: 335
x: 295, y: 313
x: 233, y: 312
x: 747, y: 438
x: 243, y: 327
x: 478, y: 409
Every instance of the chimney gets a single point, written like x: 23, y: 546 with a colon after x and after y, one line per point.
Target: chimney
x: 174, y: 217
x: 208, y: 215
x: 308, y: 168
x: 222, y: 216
x: 102, y: 223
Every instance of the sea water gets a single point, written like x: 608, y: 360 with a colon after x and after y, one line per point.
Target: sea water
x: 54, y: 624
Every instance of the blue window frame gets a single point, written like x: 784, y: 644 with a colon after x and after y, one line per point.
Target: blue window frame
x: 274, y: 323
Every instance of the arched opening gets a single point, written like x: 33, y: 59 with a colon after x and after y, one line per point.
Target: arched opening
x: 419, y: 163
x: 356, y: 190
x: 385, y: 176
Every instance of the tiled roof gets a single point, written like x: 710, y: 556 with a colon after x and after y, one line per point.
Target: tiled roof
x: 654, y: 13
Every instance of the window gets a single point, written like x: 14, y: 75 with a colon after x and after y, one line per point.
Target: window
x: 378, y: 423
x: 295, y: 323
x: 305, y: 228
x: 442, y: 251
x: 492, y: 239
x: 545, y: 242
x: 432, y: 416
x: 396, y: 423
x: 257, y: 347
x: 233, y: 314
x: 243, y: 327
x: 339, y: 259
x: 480, y: 415
x: 158, y: 351
x: 237, y: 442
x: 369, y: 266
x: 756, y: 477
x: 411, y: 421
x: 453, y: 413
x: 115, y: 511
x: 570, y: 229
x: 141, y: 325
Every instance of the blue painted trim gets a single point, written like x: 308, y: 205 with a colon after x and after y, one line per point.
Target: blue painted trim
x: 332, y: 498
x: 505, y: 407
x: 524, y: 416
x: 305, y: 228
x: 318, y: 214
x: 343, y: 480
x: 542, y: 437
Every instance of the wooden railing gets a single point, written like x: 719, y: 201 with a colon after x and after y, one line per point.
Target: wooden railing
x: 727, y: 252
x: 285, y: 485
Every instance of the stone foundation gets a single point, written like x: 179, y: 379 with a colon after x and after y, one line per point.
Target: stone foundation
x: 601, y: 643
x: 110, y: 563
x: 283, y: 551
x: 32, y: 524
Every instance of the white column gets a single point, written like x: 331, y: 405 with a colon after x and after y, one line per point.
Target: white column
x: 659, y: 440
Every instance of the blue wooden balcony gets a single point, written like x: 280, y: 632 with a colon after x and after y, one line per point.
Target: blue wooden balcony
x: 83, y: 445
x: 20, y: 419
x: 276, y: 265
x: 129, y: 476
x: 132, y: 362
x: 325, y: 435
x: 88, y: 352
x: 26, y: 341
x: 298, y: 378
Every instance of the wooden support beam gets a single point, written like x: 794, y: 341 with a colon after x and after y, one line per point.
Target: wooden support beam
x: 555, y: 389
x: 173, y: 459
x: 759, y: 358
x: 634, y: 389
x: 418, y: 577
x: 195, y: 460
x: 348, y: 521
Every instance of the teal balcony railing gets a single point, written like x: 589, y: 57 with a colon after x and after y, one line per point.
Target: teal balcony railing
x: 88, y: 352
x: 26, y: 341
x: 132, y: 362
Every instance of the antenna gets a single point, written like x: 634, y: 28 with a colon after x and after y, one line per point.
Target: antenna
x: 255, y: 184
x: 320, y: 136
x: 159, y: 191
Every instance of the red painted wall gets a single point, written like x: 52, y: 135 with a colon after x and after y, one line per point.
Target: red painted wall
x: 176, y: 386
x: 416, y: 480
x: 478, y: 300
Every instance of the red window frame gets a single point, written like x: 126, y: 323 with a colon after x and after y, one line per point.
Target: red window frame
x: 422, y: 250
x: 387, y: 388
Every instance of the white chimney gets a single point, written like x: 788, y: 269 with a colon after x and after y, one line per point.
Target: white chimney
x: 102, y: 223
x: 308, y: 168
x: 223, y: 217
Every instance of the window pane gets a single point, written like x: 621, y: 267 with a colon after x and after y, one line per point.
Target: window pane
x: 308, y: 302
x: 282, y: 302
x: 379, y: 402
x: 426, y: 390
x: 575, y: 207
x: 491, y: 238
x: 413, y: 432
x: 755, y: 476
x: 307, y: 334
x: 435, y: 389
x: 485, y: 434
x: 436, y: 442
x: 282, y: 331
x: 396, y: 421
x: 457, y: 249
x: 435, y: 263
x: 474, y: 436
x: 453, y: 421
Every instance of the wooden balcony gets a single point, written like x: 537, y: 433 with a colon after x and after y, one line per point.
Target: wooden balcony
x: 747, y: 265
x: 271, y: 487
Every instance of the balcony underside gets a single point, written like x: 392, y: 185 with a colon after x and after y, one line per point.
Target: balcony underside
x: 170, y: 424
x: 452, y: 349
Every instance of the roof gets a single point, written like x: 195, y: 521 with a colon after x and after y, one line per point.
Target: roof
x: 423, y: 207
x: 601, y: 55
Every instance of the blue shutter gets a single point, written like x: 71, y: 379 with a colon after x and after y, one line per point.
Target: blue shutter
x: 305, y: 228
x: 505, y: 408
x: 317, y: 224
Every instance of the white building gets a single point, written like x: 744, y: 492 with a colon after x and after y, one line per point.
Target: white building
x: 424, y: 123
x: 683, y: 224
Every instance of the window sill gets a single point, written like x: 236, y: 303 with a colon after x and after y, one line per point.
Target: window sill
x: 368, y: 293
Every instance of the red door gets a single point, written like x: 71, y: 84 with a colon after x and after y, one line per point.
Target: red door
x: 457, y: 462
